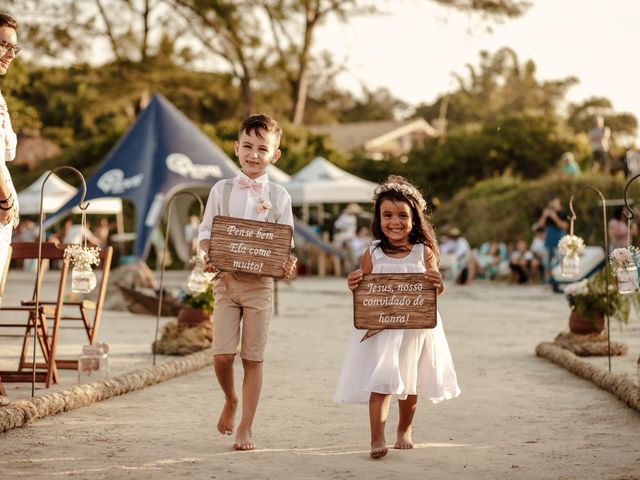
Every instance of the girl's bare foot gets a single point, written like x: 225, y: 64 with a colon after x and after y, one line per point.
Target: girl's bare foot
x: 243, y: 439
x: 403, y: 441
x: 227, y: 416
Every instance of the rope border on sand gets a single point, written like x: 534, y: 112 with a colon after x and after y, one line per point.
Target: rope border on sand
x: 617, y: 384
x: 23, y: 412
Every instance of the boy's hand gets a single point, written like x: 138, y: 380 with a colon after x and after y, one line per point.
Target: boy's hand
x: 435, y: 278
x: 289, y: 266
x: 208, y: 266
x: 354, y: 278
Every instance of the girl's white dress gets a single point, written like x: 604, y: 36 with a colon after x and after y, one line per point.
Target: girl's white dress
x: 398, y: 362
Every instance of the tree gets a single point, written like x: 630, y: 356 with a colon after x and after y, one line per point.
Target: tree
x: 499, y: 86
x: 69, y: 30
x: 581, y: 118
x: 497, y: 10
x: 379, y: 104
x: 521, y: 144
x: 251, y: 37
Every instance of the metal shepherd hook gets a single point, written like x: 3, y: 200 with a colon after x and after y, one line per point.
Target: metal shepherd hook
x: 606, y: 252
x: 82, y: 205
x: 164, y: 259
x: 629, y: 211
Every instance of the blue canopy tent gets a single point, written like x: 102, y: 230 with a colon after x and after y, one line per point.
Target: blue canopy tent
x: 162, y: 153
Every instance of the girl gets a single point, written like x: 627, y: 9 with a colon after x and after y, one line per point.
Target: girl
x: 402, y: 364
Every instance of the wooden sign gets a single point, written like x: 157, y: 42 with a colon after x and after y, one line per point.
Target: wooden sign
x: 394, y: 300
x: 249, y: 246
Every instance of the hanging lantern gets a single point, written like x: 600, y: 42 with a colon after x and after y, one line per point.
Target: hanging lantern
x: 570, y: 265
x: 83, y: 280
x: 570, y: 247
x: 625, y: 270
x: 198, y: 280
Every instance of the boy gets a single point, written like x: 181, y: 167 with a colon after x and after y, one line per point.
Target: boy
x: 242, y: 296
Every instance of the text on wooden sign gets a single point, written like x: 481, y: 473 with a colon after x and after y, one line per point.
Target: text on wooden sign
x: 249, y: 246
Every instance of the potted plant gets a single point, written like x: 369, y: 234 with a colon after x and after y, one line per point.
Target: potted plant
x: 195, y: 307
x: 588, y: 302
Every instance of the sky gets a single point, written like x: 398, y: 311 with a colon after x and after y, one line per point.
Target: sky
x: 414, y: 48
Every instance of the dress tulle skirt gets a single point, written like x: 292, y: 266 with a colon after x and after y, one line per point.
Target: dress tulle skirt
x: 386, y: 363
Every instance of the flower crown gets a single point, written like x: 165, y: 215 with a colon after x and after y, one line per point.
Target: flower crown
x: 402, y: 188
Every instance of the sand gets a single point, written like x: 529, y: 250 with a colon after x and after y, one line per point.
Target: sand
x: 519, y: 416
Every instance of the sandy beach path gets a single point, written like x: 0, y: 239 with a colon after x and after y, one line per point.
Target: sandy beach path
x: 519, y: 416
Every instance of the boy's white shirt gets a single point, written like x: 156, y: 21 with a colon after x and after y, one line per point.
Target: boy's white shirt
x: 244, y: 204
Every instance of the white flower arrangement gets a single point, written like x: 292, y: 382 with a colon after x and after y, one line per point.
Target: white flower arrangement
x: 624, y: 258
x: 577, y: 288
x: 620, y: 258
x: 82, y: 256
x: 402, y: 188
x: 570, y: 245
x: 263, y: 205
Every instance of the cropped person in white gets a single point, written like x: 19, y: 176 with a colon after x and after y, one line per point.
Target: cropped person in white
x: 404, y: 364
x: 8, y: 141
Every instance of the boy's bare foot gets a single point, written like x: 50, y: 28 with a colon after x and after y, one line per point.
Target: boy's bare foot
x: 243, y: 440
x: 227, y: 417
x: 378, y: 451
x: 378, y: 447
x: 403, y: 441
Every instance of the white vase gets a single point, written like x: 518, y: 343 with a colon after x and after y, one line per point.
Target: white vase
x: 83, y: 280
x: 627, y: 279
x: 570, y: 266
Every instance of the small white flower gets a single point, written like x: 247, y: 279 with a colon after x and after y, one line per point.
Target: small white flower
x: 82, y: 256
x: 620, y: 257
x: 263, y: 205
x: 577, y: 288
x: 570, y: 245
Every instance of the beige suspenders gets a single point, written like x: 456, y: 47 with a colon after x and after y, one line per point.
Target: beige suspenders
x: 275, y: 207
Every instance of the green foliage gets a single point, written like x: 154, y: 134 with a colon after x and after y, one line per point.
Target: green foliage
x: 590, y: 300
x: 201, y: 301
x: 521, y: 144
x: 500, y: 87
x: 379, y: 104
x: 504, y: 208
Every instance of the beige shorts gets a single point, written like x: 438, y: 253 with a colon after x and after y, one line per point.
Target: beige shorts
x: 247, y: 300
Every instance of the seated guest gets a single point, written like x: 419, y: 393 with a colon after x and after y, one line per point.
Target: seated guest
x: 524, y: 265
x: 458, y: 250
x: 486, y: 261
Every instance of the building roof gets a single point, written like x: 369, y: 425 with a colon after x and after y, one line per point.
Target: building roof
x: 32, y: 149
x: 367, y: 135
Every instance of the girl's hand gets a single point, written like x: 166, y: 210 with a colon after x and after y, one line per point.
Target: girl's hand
x: 354, y: 278
x: 435, y: 278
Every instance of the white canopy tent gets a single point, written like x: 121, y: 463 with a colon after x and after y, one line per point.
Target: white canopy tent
x: 321, y: 182
x: 57, y: 193
x: 277, y: 176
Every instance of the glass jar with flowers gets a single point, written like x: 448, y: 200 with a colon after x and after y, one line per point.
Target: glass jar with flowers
x: 624, y: 269
x: 83, y: 280
x: 570, y: 247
